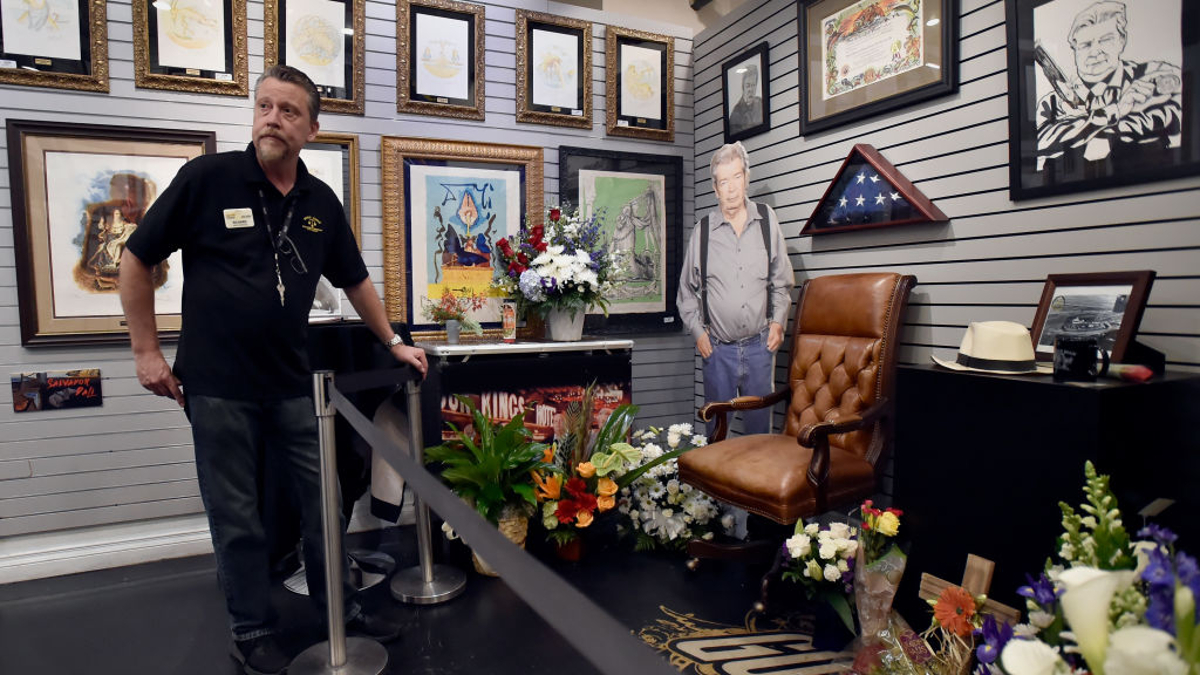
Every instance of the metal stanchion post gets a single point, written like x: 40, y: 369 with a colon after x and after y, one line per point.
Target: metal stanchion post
x: 427, y: 584
x: 338, y: 655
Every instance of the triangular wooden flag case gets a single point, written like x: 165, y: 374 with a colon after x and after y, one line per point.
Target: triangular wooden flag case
x: 869, y: 192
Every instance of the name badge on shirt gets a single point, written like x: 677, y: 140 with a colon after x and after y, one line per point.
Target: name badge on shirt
x: 237, y: 219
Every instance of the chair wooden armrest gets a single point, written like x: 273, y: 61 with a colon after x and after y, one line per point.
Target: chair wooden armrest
x: 816, y: 436
x: 721, y: 409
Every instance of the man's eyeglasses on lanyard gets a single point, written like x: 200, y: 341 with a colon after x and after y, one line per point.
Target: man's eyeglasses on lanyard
x: 288, y: 248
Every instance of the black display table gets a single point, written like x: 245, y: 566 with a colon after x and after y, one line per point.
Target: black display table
x: 982, y: 461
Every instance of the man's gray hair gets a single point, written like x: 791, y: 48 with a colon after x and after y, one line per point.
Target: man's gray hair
x: 727, y: 153
x: 292, y: 75
x: 1099, y: 13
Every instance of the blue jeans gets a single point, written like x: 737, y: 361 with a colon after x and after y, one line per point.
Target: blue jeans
x: 741, y: 368
x: 234, y: 441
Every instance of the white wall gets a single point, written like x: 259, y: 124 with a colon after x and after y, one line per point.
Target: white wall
x: 991, y: 260
x: 116, y: 484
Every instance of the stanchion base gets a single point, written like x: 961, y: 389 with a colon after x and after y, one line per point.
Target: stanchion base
x: 409, y: 585
x: 363, y: 657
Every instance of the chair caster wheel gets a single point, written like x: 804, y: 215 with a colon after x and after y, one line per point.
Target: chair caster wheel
x: 693, y: 564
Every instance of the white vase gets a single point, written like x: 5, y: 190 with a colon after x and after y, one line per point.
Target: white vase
x: 561, y: 326
x: 453, y: 330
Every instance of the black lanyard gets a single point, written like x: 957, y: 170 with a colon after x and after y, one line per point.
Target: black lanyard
x: 277, y: 240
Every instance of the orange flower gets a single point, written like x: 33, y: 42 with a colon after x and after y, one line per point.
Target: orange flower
x: 954, y: 609
x: 606, y: 487
x: 605, y: 502
x: 586, y: 469
x: 548, y: 455
x: 549, y: 487
x: 583, y: 519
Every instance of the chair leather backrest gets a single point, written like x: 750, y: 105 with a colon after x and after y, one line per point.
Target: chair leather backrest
x: 844, y: 353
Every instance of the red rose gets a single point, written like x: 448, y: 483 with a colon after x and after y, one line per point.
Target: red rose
x: 555, y: 214
x: 541, y: 247
x: 522, y: 258
x: 505, y: 248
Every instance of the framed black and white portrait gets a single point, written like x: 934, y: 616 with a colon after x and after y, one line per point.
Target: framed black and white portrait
x: 746, y: 89
x: 1098, y: 94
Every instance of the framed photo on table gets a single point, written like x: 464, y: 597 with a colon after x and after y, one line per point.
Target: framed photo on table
x: 333, y: 159
x: 638, y: 199
x: 640, y: 84
x: 446, y: 205
x: 746, y: 92
x: 196, y: 46
x: 1099, y: 96
x: 78, y: 193
x: 55, y: 43
x: 554, y: 70
x: 439, y: 58
x: 861, y: 58
x: 1105, y: 305
x: 324, y: 38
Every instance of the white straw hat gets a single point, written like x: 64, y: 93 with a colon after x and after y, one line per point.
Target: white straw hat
x: 1000, y: 347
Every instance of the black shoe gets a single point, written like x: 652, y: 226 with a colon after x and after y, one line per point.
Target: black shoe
x: 260, y: 656
x: 375, y: 626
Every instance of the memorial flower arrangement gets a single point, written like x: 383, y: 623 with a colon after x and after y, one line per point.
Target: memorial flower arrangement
x: 560, y: 263
x: 1108, y: 606
x: 454, y: 307
x: 956, y: 621
x: 657, y: 509
x: 821, y: 558
x: 886, y: 638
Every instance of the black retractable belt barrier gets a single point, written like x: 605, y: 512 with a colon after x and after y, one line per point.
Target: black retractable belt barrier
x: 601, y: 639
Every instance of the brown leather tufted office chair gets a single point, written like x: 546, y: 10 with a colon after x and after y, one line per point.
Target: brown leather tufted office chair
x: 839, y: 426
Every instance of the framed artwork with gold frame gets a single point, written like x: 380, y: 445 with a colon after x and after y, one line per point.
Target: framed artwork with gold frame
x: 62, y: 45
x: 325, y: 39
x: 446, y: 205
x: 191, y: 45
x: 78, y: 192
x: 439, y: 58
x: 640, y: 84
x: 554, y: 70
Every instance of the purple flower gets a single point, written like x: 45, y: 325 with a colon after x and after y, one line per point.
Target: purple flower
x: 1161, y: 535
x: 1189, y: 575
x: 1041, y: 591
x: 1158, y: 571
x: 1160, y: 610
x: 995, y: 634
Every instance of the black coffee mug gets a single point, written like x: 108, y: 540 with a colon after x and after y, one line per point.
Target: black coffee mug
x: 1078, y: 359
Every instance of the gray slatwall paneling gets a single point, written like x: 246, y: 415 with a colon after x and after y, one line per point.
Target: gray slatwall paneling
x: 991, y: 260
x: 130, y: 460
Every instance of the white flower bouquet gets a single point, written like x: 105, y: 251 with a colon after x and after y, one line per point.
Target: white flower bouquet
x: 657, y: 509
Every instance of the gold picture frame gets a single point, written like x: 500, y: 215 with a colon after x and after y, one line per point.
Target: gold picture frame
x: 569, y: 41
x: 343, y: 90
x: 413, y: 245
x: 67, y: 265
x: 640, y: 84
x: 193, y: 73
x: 49, y: 67
x: 346, y: 146
x: 460, y: 26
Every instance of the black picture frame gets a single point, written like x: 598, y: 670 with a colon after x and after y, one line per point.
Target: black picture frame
x: 572, y: 160
x: 533, y: 28
x: 1048, y: 121
x: 1077, y: 311
x: 50, y: 65
x: 851, y: 101
x: 410, y: 41
x: 734, y: 74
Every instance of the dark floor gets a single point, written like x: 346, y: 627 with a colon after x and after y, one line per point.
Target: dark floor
x: 168, y: 617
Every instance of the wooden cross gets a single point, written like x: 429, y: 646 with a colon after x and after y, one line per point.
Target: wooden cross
x: 977, y: 579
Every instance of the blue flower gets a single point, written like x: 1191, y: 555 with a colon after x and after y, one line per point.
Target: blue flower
x: 531, y: 286
x: 1041, y: 591
x: 1160, y: 535
x: 1160, y: 610
x: 1158, y: 571
x: 1189, y: 575
x: 995, y: 634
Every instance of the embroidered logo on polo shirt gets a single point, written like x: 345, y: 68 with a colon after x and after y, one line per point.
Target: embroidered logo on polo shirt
x: 312, y: 224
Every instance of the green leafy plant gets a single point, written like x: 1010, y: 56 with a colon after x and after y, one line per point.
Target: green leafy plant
x: 489, y: 464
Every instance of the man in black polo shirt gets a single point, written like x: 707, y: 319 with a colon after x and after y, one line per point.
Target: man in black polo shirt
x: 257, y: 231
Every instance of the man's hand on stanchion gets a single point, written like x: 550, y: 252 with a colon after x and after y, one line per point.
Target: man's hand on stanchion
x: 414, y: 356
